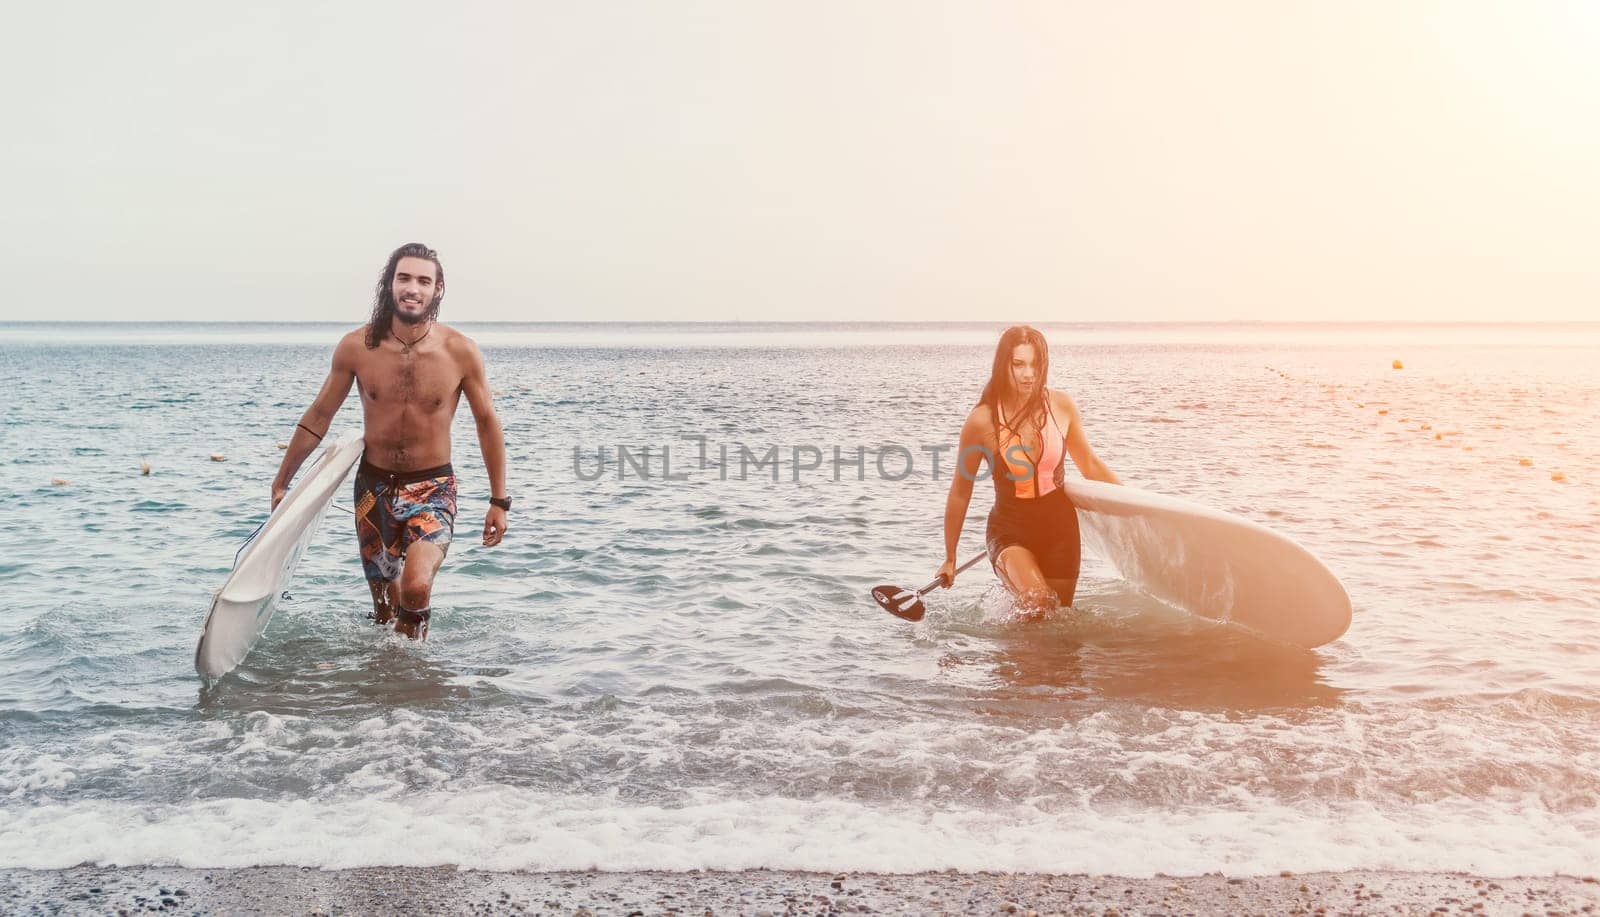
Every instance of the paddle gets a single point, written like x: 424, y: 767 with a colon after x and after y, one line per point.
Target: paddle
x: 903, y: 603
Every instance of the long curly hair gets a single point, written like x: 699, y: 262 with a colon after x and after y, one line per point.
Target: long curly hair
x: 383, y: 296
x: 999, y: 385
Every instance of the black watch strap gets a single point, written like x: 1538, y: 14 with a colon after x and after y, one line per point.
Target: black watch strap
x: 502, y: 502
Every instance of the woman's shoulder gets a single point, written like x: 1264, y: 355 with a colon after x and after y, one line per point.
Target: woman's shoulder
x: 1062, y: 407
x: 981, y: 417
x: 1060, y: 400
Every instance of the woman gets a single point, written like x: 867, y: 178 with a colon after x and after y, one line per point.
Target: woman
x: 1024, y: 431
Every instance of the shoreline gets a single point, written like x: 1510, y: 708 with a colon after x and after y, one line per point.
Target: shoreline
x: 444, y: 889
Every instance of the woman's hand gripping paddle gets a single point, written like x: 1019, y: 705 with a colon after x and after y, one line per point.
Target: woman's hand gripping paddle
x: 903, y: 603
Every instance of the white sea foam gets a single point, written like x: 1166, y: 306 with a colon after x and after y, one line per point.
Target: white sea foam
x: 503, y: 828
x: 43, y: 772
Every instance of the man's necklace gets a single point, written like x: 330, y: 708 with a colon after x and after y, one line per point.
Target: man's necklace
x: 410, y: 344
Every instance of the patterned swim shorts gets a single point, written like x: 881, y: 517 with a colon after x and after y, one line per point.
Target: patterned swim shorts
x: 395, y: 510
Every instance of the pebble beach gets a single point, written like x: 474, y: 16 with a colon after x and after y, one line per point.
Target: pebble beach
x: 440, y: 890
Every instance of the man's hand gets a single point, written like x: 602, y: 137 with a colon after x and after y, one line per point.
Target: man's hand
x: 494, y: 526
x: 278, y: 490
x: 947, y: 573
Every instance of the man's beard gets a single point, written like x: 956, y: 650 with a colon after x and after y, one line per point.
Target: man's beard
x: 406, y: 319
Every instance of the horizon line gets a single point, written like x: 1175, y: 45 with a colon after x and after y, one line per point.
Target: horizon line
x: 820, y: 321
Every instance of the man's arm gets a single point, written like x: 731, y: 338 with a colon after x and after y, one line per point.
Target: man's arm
x: 315, y: 421
x: 1078, y: 447
x: 491, y: 438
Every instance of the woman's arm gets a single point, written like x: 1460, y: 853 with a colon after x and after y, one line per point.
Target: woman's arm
x: 969, y: 460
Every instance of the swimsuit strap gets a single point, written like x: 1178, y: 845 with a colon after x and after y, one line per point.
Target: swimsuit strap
x: 1058, y: 436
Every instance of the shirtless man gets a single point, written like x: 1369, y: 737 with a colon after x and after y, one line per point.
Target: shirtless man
x: 411, y: 372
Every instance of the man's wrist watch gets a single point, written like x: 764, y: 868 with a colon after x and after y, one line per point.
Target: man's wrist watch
x: 502, y: 502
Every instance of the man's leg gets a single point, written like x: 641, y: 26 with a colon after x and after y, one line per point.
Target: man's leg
x: 425, y: 511
x: 412, y: 609
x: 385, y: 598
x: 375, y: 531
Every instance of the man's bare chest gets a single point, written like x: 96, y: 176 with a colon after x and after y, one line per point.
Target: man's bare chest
x: 421, y: 381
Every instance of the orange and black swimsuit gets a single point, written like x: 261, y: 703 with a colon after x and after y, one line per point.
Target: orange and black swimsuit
x: 1031, y: 509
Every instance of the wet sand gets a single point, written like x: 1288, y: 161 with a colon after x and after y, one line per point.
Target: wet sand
x: 445, y: 890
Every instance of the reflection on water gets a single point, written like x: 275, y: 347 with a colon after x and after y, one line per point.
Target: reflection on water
x: 1118, y: 644
x: 311, y: 672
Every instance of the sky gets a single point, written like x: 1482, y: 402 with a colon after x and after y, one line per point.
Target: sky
x: 764, y: 161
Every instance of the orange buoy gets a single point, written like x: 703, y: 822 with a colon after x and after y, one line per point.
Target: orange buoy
x: 1525, y: 462
x: 1399, y: 365
x: 1557, y: 476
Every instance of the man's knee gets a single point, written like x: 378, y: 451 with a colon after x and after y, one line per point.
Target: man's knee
x: 415, y: 595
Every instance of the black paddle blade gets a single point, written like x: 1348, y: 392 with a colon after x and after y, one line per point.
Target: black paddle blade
x: 902, y: 603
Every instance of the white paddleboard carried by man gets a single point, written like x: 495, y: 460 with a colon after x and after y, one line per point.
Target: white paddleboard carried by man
x: 241, y: 610
x: 412, y: 372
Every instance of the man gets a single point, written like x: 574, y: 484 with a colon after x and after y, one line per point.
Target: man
x: 411, y: 372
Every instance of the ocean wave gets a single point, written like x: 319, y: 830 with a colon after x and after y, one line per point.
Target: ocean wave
x: 505, y: 828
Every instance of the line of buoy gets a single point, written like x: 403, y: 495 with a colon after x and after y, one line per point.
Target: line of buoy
x: 144, y: 467
x: 1438, y: 435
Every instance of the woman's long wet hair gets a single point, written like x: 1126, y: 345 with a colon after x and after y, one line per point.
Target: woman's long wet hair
x: 999, y: 385
x: 383, y: 297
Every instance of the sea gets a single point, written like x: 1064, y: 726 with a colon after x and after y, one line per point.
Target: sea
x: 673, y: 661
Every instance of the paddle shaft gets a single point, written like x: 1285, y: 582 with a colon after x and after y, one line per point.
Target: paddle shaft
x: 937, y: 582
